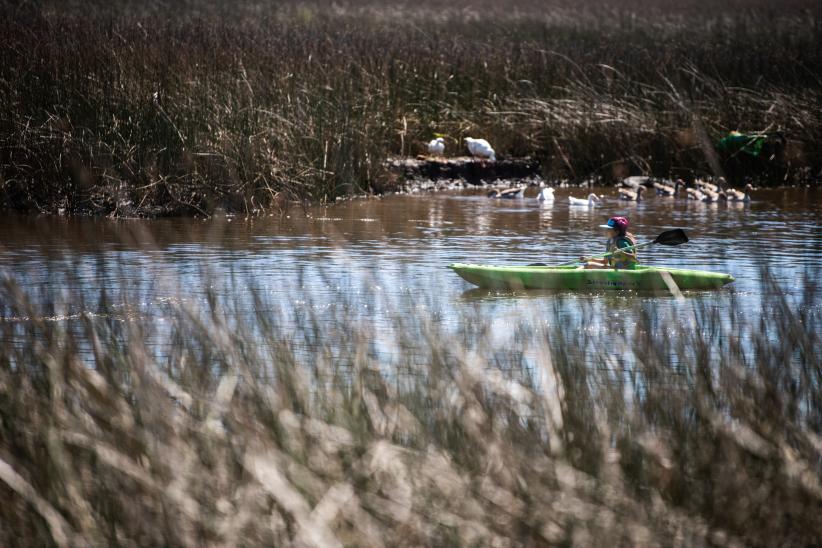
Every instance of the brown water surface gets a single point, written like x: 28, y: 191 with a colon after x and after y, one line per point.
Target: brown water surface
x: 373, y: 261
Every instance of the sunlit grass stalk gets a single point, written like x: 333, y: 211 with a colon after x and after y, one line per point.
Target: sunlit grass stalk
x: 219, y: 426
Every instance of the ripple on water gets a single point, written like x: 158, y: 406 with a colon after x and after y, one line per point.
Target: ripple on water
x: 334, y: 262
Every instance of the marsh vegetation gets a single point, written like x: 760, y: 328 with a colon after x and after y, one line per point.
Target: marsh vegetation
x: 178, y: 107
x: 212, y: 422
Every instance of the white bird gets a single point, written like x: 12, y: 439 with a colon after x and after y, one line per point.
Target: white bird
x: 436, y: 147
x: 591, y: 201
x: 480, y: 148
x: 546, y: 195
x: 631, y: 195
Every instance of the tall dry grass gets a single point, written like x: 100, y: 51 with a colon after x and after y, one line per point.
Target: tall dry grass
x: 695, y: 426
x: 179, y: 106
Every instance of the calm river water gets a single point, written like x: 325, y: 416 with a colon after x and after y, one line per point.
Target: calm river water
x: 372, y: 261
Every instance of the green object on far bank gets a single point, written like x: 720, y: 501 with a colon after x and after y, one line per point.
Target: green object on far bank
x: 747, y: 143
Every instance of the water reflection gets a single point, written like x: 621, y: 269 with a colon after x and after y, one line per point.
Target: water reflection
x: 609, y: 299
x: 362, y: 259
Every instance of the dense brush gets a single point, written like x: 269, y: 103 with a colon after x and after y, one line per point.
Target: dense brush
x: 180, y: 107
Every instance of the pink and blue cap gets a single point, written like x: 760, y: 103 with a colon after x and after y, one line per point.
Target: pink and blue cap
x: 619, y: 224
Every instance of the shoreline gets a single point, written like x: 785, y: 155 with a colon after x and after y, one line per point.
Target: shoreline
x: 410, y: 176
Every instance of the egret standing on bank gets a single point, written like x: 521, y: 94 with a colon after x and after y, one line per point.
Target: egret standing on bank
x: 480, y: 148
x: 436, y: 147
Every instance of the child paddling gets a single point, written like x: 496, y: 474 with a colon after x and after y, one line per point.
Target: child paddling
x: 619, y: 238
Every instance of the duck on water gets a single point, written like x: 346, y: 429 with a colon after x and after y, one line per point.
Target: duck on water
x: 663, y: 189
x: 546, y: 195
x: 631, y: 195
x: 507, y: 193
x: 591, y: 201
x: 733, y: 195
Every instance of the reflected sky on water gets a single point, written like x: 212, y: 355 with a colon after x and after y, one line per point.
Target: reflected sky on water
x: 367, y: 263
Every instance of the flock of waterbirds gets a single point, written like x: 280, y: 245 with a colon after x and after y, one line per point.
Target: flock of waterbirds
x: 631, y: 189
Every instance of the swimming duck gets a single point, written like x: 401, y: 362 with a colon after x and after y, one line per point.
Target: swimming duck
x: 733, y: 195
x: 695, y: 194
x: 631, y: 195
x: 709, y: 196
x: 667, y: 190
x: 705, y: 185
x: 546, y: 195
x: 635, y: 181
x: 591, y: 201
x: 507, y: 193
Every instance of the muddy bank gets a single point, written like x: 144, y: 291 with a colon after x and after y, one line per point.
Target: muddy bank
x: 470, y: 170
x: 425, y: 173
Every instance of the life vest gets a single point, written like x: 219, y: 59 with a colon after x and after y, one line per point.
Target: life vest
x: 624, y: 261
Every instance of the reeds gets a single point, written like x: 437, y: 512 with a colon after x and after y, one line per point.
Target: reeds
x: 184, y: 107
x: 216, y: 422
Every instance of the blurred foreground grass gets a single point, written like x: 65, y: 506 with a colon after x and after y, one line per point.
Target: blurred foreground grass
x: 184, y: 106
x: 699, y: 426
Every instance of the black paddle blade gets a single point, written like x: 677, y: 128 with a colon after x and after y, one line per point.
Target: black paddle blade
x: 672, y: 237
x: 537, y: 264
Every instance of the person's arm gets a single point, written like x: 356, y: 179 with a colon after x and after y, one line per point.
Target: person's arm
x: 588, y: 261
x: 620, y: 254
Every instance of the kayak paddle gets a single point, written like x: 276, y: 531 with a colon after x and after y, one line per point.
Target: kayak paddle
x: 669, y: 237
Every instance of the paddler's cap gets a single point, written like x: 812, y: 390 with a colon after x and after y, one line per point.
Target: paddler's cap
x: 617, y: 223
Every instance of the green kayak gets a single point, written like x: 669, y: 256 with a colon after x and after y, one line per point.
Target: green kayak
x: 643, y: 278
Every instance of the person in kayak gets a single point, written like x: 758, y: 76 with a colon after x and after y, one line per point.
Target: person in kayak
x: 619, y: 238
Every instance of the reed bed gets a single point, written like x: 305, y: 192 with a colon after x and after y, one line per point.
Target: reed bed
x: 184, y: 107
x: 213, y: 422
